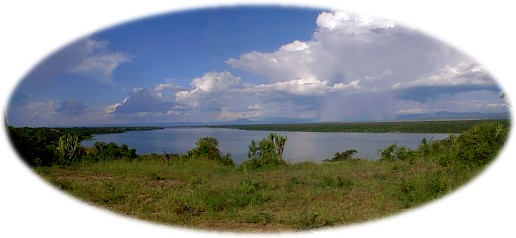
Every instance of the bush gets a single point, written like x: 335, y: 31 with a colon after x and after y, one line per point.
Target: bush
x: 474, y: 148
x: 266, y: 152
x: 207, y: 149
x: 111, y: 151
x: 36, y: 146
x: 479, y: 145
x: 395, y: 152
x: 67, y: 150
x: 345, y: 155
x: 419, y: 189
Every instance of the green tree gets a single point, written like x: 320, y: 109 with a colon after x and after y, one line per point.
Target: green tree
x: 111, y: 151
x: 266, y: 152
x: 278, y: 143
x: 395, y: 152
x: 36, y: 146
x: 207, y: 148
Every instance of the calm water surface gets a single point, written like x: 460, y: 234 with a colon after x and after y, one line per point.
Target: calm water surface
x: 301, y: 146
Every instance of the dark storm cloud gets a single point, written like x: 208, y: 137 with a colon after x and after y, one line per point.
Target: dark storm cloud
x: 72, y: 107
x: 421, y: 94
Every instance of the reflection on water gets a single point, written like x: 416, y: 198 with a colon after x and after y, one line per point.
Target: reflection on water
x: 301, y: 146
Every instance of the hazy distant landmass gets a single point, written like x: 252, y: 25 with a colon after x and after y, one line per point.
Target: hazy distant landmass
x: 453, y: 115
x: 443, y: 115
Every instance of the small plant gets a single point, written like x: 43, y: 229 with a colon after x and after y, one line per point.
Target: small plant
x: 311, y: 220
x: 257, y: 218
x: 196, y: 181
x: 38, y: 162
x: 338, y: 182
x: 249, y: 185
x: 187, y: 209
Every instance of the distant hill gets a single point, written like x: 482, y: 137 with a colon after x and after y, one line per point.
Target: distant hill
x: 269, y: 120
x: 241, y: 121
x: 444, y: 115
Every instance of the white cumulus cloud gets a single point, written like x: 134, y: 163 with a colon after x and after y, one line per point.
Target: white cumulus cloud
x: 294, y: 46
x: 462, y: 73
x: 348, y: 47
x: 174, y: 101
x: 354, y: 67
x: 216, y: 81
x: 356, y: 59
x: 207, y: 88
x: 98, y: 62
x: 332, y: 20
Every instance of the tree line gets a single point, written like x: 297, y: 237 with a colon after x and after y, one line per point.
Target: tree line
x: 449, y: 126
x: 61, y: 146
x: 46, y: 146
x: 476, y: 146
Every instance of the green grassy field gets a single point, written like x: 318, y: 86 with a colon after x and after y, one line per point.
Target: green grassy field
x: 204, y: 194
x: 204, y: 189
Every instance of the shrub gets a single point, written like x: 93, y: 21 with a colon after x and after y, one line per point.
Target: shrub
x: 395, y: 152
x: 67, y: 150
x: 266, y: 152
x: 419, y: 189
x: 345, y: 155
x: 479, y: 145
x: 111, y: 151
x: 36, y: 146
x: 207, y: 149
x: 249, y: 186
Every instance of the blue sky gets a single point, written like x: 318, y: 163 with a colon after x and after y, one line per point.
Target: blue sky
x: 224, y: 64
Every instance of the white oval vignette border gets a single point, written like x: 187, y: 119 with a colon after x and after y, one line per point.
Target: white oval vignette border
x: 33, y: 29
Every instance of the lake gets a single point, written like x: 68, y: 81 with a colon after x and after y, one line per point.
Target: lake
x: 301, y: 146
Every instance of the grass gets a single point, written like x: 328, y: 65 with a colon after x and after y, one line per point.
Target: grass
x: 205, y: 194
x: 202, y: 191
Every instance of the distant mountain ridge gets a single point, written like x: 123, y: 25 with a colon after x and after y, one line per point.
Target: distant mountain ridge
x: 443, y: 115
x: 273, y: 120
x: 240, y: 121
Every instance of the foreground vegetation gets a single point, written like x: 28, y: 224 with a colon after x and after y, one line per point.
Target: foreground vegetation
x: 40, y: 146
x: 203, y: 189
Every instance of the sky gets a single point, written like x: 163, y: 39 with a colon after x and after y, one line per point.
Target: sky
x: 225, y: 64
